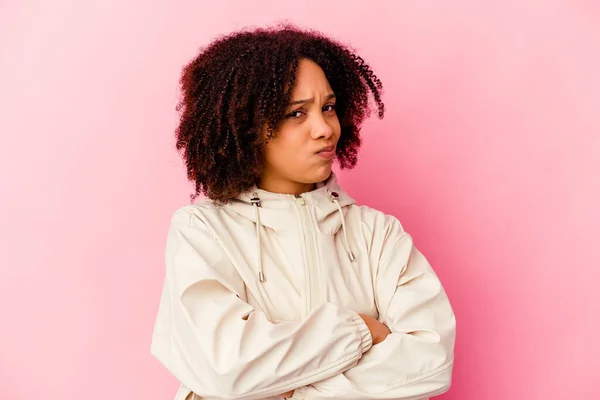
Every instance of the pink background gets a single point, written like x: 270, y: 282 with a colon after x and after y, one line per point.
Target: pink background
x: 489, y: 154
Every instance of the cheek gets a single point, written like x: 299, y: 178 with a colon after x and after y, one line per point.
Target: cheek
x: 279, y: 151
x: 290, y: 140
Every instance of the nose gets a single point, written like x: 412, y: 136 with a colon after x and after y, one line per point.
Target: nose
x: 322, y: 128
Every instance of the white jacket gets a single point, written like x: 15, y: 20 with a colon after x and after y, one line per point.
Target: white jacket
x: 262, y: 296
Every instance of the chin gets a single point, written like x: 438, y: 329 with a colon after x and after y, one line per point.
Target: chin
x: 320, y: 175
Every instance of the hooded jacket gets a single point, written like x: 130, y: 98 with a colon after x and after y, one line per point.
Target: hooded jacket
x: 262, y: 296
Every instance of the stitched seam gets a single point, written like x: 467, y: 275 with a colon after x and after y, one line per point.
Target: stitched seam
x: 400, y: 239
x: 420, y: 378
x: 383, y: 262
x: 201, y: 226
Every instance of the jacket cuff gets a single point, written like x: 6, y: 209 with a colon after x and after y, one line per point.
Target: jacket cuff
x: 363, y: 331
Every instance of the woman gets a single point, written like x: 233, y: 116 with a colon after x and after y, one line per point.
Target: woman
x: 278, y: 284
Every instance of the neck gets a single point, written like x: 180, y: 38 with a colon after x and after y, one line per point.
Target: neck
x: 285, y: 187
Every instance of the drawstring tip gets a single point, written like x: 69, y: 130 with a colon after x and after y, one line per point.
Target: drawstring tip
x: 351, y: 256
x: 261, y: 277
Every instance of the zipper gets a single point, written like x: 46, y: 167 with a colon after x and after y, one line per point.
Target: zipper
x: 312, y: 282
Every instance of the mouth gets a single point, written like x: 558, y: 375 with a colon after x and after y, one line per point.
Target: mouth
x: 327, y: 152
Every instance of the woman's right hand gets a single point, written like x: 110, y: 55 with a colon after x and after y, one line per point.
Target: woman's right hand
x: 379, y: 331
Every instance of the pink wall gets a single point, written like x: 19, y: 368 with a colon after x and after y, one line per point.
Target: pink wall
x: 489, y: 154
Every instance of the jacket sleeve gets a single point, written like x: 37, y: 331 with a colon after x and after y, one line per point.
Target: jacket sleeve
x: 217, y: 346
x: 415, y: 361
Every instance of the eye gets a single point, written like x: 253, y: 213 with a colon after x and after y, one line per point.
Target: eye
x: 295, y: 114
x: 329, y: 108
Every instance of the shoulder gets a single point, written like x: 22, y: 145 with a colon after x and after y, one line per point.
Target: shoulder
x: 376, y: 220
x: 382, y: 232
x: 196, y: 214
x: 201, y: 215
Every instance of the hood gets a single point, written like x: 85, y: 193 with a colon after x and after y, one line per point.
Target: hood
x: 277, y: 210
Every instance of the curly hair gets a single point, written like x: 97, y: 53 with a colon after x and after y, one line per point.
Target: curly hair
x: 241, y: 83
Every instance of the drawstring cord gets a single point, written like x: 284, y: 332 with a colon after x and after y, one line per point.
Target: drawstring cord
x: 335, y: 199
x: 256, y: 203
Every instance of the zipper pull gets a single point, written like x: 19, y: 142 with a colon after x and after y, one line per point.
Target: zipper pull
x: 299, y: 200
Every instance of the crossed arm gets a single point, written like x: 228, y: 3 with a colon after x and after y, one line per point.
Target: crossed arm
x: 415, y: 361
x: 219, y: 347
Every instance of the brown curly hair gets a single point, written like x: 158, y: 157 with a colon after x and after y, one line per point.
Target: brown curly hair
x: 241, y: 84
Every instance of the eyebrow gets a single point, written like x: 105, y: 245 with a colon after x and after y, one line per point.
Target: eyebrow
x: 295, y: 102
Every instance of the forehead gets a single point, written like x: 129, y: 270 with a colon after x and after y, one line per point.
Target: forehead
x: 310, y: 80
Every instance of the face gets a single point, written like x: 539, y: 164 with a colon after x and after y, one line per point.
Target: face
x: 303, y: 150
